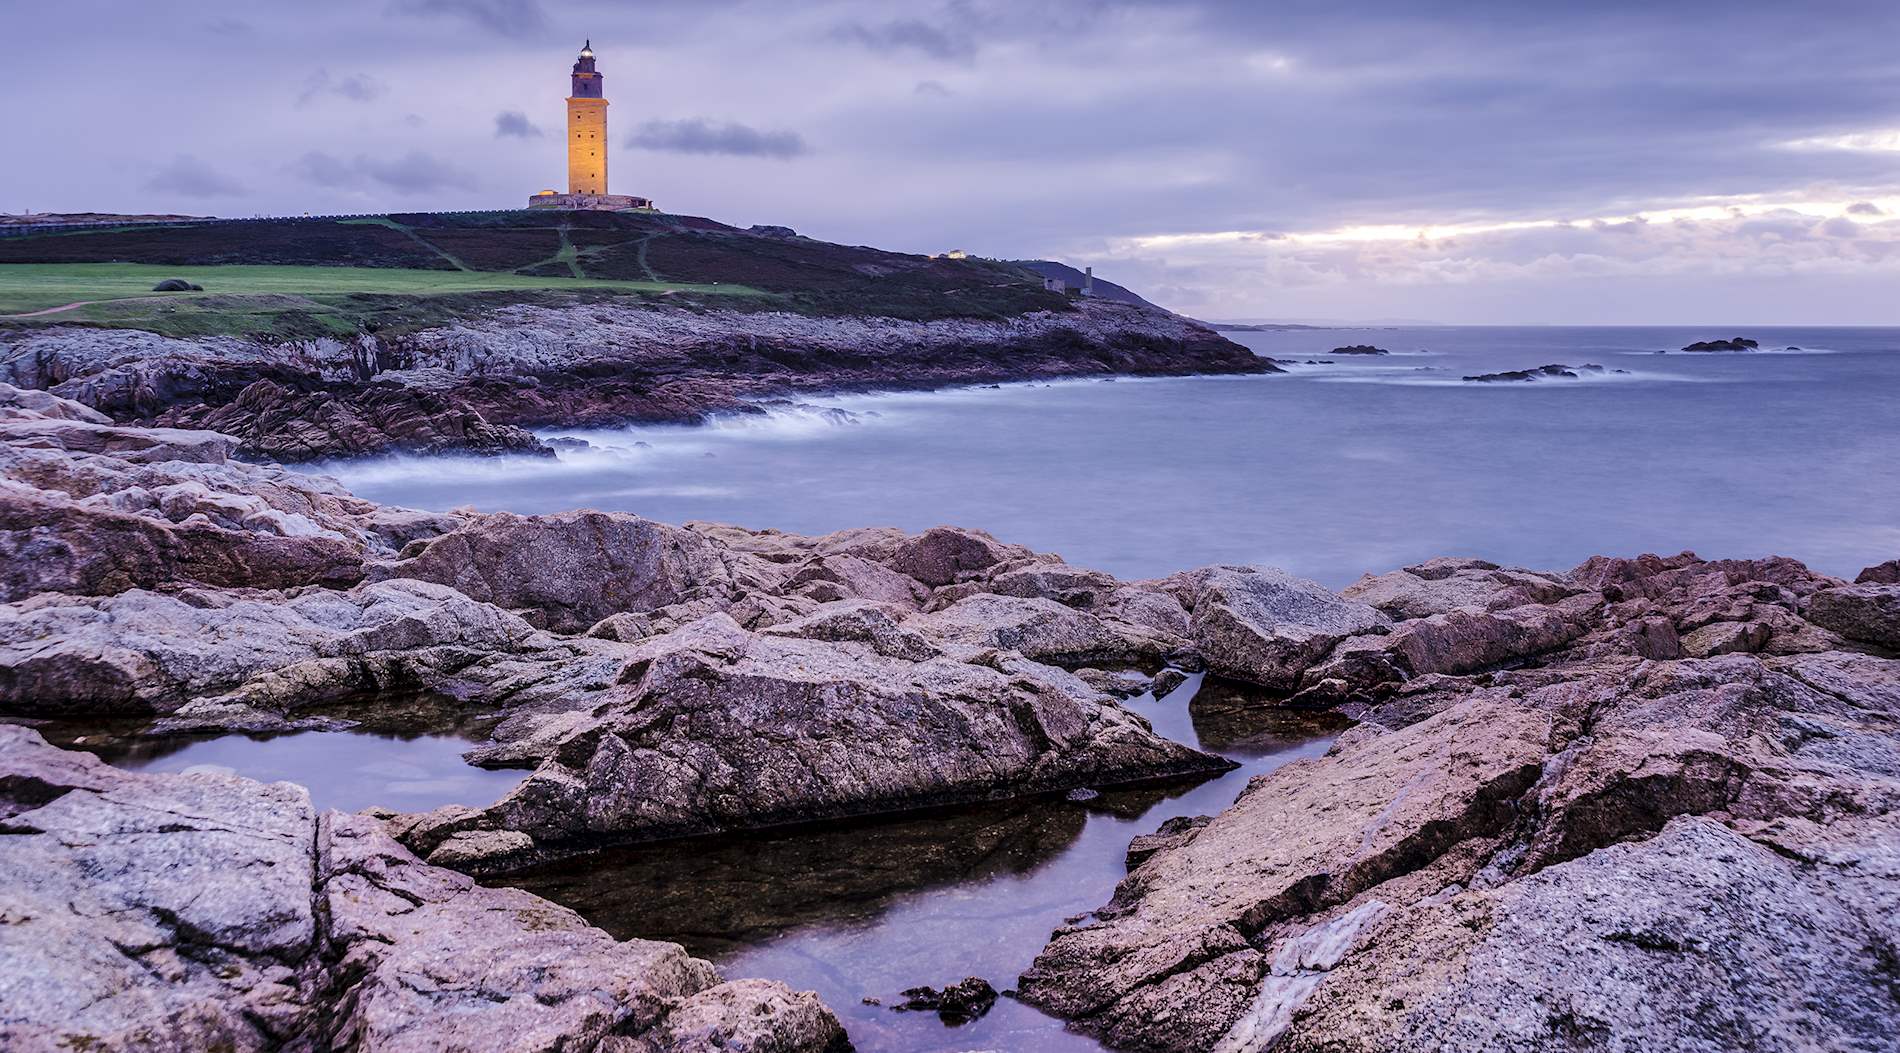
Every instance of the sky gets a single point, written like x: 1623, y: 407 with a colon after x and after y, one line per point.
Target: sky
x: 1514, y: 163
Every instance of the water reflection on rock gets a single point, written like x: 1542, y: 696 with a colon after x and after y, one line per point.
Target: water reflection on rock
x: 870, y: 908
x: 402, y: 752
x: 1236, y: 720
x: 719, y: 895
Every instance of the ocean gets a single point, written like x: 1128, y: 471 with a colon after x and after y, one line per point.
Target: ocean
x: 1343, y: 467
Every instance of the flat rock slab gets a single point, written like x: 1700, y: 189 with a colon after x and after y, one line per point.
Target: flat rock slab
x: 1673, y: 854
x: 213, y: 912
x: 717, y: 728
x: 1265, y: 626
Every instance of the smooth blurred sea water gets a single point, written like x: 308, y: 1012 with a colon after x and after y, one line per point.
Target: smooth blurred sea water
x: 1364, y: 464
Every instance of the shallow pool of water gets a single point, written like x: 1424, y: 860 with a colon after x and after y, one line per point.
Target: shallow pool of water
x: 866, y: 909
x: 347, y: 770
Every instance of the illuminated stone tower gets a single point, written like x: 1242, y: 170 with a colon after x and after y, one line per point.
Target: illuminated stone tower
x: 586, y: 129
x: 587, y: 147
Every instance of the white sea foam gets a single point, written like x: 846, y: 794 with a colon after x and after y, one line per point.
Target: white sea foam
x: 1451, y: 379
x: 1802, y: 350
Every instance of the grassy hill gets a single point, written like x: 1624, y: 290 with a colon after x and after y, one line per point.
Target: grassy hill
x: 291, y: 277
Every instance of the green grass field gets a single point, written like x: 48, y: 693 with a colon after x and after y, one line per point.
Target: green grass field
x: 28, y: 287
x: 294, y: 278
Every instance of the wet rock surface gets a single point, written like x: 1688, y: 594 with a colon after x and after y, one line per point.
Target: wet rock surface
x: 1582, y: 807
x: 1549, y: 767
x: 716, y: 728
x: 957, y: 1003
x: 659, y: 680
x: 208, y: 911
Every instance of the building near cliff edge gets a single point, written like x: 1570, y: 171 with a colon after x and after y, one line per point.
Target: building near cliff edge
x: 587, y: 146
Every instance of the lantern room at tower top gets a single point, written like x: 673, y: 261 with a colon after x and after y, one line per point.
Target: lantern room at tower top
x: 587, y: 146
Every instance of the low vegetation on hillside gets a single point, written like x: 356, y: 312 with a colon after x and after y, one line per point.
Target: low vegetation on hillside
x: 300, y: 277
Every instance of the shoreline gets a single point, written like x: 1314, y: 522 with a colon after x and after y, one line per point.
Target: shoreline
x: 479, y: 384
x: 1521, y: 735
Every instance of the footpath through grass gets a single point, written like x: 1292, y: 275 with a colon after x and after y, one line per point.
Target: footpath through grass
x: 287, y: 302
x: 36, y: 286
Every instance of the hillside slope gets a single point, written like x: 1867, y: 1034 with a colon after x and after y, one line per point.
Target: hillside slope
x: 1105, y: 290
x: 335, y: 337
x: 803, y: 274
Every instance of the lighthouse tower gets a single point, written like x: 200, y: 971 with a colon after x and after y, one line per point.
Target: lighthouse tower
x: 586, y: 146
x: 586, y: 129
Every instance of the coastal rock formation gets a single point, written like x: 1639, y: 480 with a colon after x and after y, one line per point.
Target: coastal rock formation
x: 1441, y: 585
x: 1043, y: 630
x: 1887, y: 573
x: 568, y: 571
x: 1740, y: 343
x: 33, y: 404
x: 1264, y: 626
x: 97, y: 509
x: 212, y: 912
x: 1869, y: 613
x: 286, y: 424
x: 1880, y: 574
x: 717, y: 728
x: 1360, y: 349
x: 238, y: 659
x: 957, y: 1003
x: 1549, y: 767
x: 1556, y: 822
x: 1555, y: 371
x: 474, y: 384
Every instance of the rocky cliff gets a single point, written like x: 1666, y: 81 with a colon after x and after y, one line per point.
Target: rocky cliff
x: 475, y: 385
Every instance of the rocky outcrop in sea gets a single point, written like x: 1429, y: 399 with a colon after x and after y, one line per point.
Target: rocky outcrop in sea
x: 1555, y: 371
x: 477, y: 384
x: 1642, y: 802
x: 1739, y: 343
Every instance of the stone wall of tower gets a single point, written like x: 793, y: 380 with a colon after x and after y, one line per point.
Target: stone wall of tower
x: 586, y: 146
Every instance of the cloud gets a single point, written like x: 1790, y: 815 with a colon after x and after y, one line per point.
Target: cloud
x: 1879, y: 141
x: 909, y: 34
x: 1865, y: 208
x: 191, y: 177
x: 512, y: 18
x: 515, y: 124
x: 932, y: 88
x: 1091, y: 124
x: 412, y: 173
x: 1529, y: 269
x: 357, y: 87
x: 697, y: 135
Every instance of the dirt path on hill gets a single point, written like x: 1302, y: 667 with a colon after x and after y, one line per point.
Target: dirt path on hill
x: 51, y: 310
